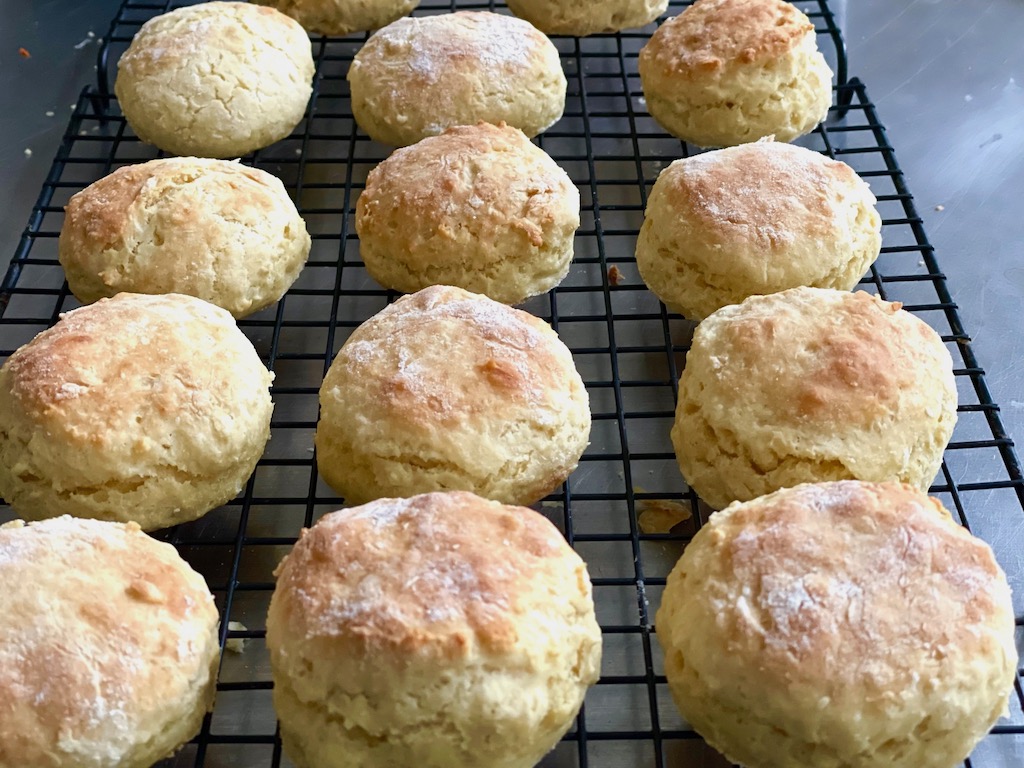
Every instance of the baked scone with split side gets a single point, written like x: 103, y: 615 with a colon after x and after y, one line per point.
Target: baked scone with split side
x: 213, y: 229
x: 216, y: 79
x: 108, y: 646
x: 449, y: 390
x: 727, y: 72
x: 587, y: 17
x: 479, y: 207
x: 151, y: 409
x: 807, y: 385
x: 342, y: 17
x: 845, y: 624
x: 442, y: 631
x: 755, y: 219
x: 418, y: 76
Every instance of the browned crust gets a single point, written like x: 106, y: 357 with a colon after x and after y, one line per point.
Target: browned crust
x: 444, y: 355
x: 97, y: 621
x: 764, y: 193
x: 489, y: 179
x: 441, y: 574
x: 842, y: 572
x: 857, y: 354
x: 711, y: 35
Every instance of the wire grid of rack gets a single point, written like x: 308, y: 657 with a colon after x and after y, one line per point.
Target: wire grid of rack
x: 627, y: 347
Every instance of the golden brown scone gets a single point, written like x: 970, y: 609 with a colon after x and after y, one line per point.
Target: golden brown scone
x: 108, y: 646
x: 755, y: 219
x: 449, y: 390
x: 418, y: 76
x: 726, y: 72
x: 152, y: 409
x: 587, y: 17
x: 439, y: 631
x: 213, y: 229
x: 840, y: 625
x: 807, y: 385
x: 216, y: 79
x: 478, y: 207
x: 341, y: 17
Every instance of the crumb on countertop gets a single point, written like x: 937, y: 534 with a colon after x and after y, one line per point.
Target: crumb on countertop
x: 235, y: 644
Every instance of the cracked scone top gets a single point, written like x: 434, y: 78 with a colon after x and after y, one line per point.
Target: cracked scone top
x: 342, y: 17
x: 450, y: 390
x: 418, y: 76
x: 439, y: 631
x: 587, y: 17
x: 216, y: 79
x: 840, y: 624
x: 108, y: 646
x: 755, y: 219
x: 811, y: 384
x: 213, y: 229
x: 152, y: 409
x: 726, y: 72
x: 479, y: 207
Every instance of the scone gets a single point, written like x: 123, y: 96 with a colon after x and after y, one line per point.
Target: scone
x: 587, y: 17
x: 419, y: 76
x: 848, y: 624
x: 342, y: 17
x: 449, y: 390
x: 441, y: 631
x: 152, y: 409
x: 755, y: 219
x: 478, y: 207
x: 726, y: 72
x: 213, y: 229
x: 216, y: 79
x: 807, y: 385
x: 108, y: 646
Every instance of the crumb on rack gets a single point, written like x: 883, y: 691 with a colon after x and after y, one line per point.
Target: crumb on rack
x: 28, y: 152
x: 661, y: 515
x: 23, y: 52
x: 614, y: 275
x: 235, y: 644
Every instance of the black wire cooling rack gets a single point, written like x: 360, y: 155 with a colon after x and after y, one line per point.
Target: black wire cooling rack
x: 627, y: 347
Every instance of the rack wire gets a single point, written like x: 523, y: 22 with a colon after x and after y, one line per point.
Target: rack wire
x: 627, y: 347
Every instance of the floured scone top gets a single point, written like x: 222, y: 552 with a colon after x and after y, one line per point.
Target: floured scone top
x: 726, y: 72
x: 811, y: 384
x: 841, y: 624
x: 419, y: 76
x: 216, y: 79
x: 152, y: 409
x: 587, y: 17
x: 755, y: 219
x: 479, y: 207
x: 442, y: 630
x: 217, y: 230
x: 449, y: 390
x: 341, y: 17
x: 108, y: 646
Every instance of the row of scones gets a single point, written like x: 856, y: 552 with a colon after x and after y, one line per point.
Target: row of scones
x: 442, y: 622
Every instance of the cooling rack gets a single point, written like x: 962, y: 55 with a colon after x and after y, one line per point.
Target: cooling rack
x: 627, y: 347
